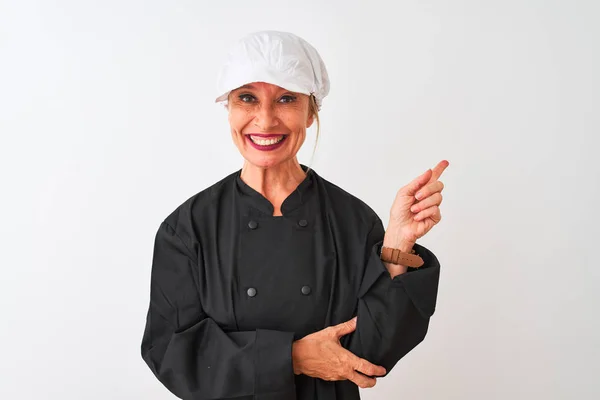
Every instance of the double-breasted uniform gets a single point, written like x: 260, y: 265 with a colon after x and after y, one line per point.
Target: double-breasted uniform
x: 232, y: 286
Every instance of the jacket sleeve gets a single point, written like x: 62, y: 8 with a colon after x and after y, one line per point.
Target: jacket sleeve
x: 393, y: 314
x: 190, y: 354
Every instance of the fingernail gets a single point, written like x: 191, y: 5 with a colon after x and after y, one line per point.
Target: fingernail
x: 418, y: 196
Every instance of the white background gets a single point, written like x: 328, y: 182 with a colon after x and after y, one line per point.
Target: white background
x: 107, y: 124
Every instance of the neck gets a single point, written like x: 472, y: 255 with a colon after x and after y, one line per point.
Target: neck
x: 274, y: 183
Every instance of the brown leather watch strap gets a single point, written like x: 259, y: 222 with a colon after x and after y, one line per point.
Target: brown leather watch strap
x: 395, y: 256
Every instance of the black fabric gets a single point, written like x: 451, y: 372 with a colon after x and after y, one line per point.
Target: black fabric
x: 207, y: 338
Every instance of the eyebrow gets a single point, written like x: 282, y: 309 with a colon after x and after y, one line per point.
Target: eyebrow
x: 252, y: 87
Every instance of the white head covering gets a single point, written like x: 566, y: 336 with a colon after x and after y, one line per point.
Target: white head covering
x: 278, y: 58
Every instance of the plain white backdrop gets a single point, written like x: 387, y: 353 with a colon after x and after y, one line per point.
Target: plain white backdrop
x: 107, y: 124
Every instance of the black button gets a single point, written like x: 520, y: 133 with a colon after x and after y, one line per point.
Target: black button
x: 306, y: 290
x: 303, y: 223
x: 251, y: 292
x: 252, y: 224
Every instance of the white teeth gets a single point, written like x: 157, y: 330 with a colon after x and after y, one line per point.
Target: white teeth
x: 266, y: 142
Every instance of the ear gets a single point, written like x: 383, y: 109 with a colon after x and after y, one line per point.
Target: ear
x: 310, y: 120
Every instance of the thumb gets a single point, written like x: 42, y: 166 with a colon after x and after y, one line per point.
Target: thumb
x: 345, y: 327
x: 412, y: 188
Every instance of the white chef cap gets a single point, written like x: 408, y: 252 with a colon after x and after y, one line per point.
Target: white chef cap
x: 278, y: 58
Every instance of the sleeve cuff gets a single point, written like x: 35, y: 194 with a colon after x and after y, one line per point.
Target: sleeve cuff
x: 420, y: 284
x: 274, y: 370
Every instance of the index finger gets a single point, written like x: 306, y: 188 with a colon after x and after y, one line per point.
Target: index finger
x: 438, y: 170
x: 363, y: 366
x: 362, y: 381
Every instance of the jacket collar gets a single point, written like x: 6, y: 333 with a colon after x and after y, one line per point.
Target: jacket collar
x: 298, y: 197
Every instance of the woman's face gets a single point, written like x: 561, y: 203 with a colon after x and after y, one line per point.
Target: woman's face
x: 268, y: 123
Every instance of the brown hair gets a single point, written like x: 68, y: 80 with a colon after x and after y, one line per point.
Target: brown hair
x: 313, y: 108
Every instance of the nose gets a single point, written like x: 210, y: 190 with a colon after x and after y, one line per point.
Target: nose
x: 266, y: 118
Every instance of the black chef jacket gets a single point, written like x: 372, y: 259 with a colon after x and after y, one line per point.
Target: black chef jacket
x: 232, y: 286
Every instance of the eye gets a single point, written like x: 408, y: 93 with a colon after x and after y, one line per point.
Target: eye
x: 287, y: 99
x: 246, y: 98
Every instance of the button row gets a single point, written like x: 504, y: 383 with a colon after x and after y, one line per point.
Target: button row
x: 253, y: 224
x: 306, y: 290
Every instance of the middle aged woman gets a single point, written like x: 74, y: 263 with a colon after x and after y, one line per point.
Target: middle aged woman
x: 274, y: 283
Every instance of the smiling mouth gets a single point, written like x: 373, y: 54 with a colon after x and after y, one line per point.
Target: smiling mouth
x: 266, y: 141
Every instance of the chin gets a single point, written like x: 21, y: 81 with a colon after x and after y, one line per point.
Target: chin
x: 265, y: 162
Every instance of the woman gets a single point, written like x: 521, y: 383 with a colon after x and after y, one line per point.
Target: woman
x: 271, y: 283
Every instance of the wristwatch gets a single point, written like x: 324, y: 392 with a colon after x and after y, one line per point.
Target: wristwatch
x: 395, y: 256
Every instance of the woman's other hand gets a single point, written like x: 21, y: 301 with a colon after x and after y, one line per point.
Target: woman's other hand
x: 321, y: 355
x: 416, y: 207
